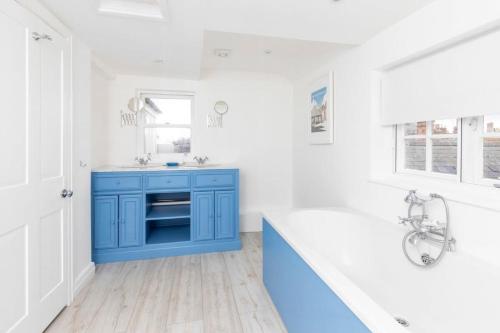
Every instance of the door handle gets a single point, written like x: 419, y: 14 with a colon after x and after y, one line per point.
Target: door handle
x: 66, y: 193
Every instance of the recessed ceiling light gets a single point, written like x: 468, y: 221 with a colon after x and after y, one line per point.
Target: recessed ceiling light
x: 268, y: 51
x: 222, y: 53
x: 158, y: 61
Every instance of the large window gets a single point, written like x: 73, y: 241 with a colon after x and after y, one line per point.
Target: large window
x: 166, y: 125
x: 466, y: 150
x: 429, y: 147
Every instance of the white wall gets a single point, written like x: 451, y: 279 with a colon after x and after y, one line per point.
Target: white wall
x: 82, y: 265
x: 100, y: 83
x: 256, y: 133
x: 352, y: 172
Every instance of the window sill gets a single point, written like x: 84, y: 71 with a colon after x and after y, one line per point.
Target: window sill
x: 467, y: 194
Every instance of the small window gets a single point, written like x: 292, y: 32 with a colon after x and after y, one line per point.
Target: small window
x: 444, y: 140
x: 491, y: 147
x: 166, y: 127
x: 415, y: 146
x: 429, y: 147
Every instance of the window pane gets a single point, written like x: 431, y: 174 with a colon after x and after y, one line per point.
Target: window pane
x: 492, y: 124
x: 491, y: 158
x: 167, y: 140
x: 444, y: 155
x: 164, y: 111
x: 416, y: 128
x: 415, y: 154
x: 448, y: 126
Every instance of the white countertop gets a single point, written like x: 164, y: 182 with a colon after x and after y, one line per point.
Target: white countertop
x: 158, y: 167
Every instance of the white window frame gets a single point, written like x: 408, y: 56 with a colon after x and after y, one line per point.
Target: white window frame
x: 476, y: 133
x: 400, y: 152
x: 141, y: 121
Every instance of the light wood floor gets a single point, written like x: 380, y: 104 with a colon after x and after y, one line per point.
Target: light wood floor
x: 209, y: 293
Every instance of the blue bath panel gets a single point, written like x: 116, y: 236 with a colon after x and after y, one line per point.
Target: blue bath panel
x: 306, y: 304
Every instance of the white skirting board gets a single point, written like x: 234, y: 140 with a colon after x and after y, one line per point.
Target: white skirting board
x: 251, y: 222
x: 83, y: 278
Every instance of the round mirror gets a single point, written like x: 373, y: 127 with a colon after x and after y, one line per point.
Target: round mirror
x: 135, y: 104
x: 221, y: 107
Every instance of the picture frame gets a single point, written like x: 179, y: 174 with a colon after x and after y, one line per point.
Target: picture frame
x: 321, y: 110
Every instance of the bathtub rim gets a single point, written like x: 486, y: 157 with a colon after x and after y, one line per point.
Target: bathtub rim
x: 376, y: 319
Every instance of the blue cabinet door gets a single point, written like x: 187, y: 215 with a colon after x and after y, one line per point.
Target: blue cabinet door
x: 105, y: 222
x: 225, y: 218
x: 129, y: 230
x: 203, y: 216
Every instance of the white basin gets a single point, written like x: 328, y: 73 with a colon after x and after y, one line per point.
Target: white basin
x: 139, y: 166
x: 160, y: 166
x: 198, y: 166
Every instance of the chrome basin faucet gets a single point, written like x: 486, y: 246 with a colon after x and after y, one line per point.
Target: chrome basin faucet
x: 200, y: 160
x: 144, y: 160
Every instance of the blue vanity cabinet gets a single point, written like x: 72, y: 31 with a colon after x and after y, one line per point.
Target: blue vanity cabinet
x: 203, y: 215
x: 105, y: 222
x: 157, y: 213
x: 225, y: 215
x: 131, y: 220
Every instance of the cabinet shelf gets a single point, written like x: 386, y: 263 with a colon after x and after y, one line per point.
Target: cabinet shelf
x: 169, y: 234
x: 169, y: 212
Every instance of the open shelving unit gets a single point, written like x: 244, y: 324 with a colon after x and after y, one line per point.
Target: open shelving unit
x: 168, y: 217
x: 160, y: 233
x: 169, y: 212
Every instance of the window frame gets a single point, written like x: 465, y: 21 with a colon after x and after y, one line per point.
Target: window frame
x: 142, y: 125
x: 477, y: 134
x: 428, y: 172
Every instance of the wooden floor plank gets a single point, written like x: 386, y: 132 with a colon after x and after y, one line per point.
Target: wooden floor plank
x: 186, y: 297
x: 207, y: 293
x: 252, y: 247
x: 117, y: 309
x: 194, y: 327
x: 79, y: 316
x: 150, y: 312
x: 262, y: 321
x: 248, y: 289
x: 220, y: 314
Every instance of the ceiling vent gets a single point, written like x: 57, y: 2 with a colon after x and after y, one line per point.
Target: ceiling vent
x: 145, y: 9
x: 222, y: 53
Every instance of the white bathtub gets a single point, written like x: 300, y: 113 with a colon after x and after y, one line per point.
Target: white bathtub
x: 360, y: 258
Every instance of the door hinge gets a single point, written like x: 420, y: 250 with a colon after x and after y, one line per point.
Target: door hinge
x: 36, y: 36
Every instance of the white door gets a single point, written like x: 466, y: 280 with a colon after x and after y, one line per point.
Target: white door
x: 55, y: 162
x: 33, y: 171
x: 18, y: 174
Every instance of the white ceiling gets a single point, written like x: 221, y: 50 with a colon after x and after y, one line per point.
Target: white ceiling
x: 344, y: 21
x: 289, y: 57
x: 294, y: 29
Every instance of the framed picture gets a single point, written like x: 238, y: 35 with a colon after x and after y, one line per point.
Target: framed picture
x: 320, y: 110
